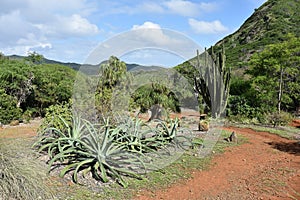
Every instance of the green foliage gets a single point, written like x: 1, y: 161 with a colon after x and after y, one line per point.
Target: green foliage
x: 16, y: 79
x: 34, y: 57
x: 34, y: 87
x: 276, y: 75
x: 238, y: 105
x: 269, y: 24
x: 52, y: 84
x: 54, y: 113
x: 112, y: 74
x: 29, y: 114
x: 8, y: 109
x: 279, y: 119
x: 148, y: 95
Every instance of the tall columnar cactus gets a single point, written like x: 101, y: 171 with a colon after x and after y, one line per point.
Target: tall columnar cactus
x: 213, y: 81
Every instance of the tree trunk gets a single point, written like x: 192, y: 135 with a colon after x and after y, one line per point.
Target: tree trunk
x: 156, y: 112
x: 280, y: 89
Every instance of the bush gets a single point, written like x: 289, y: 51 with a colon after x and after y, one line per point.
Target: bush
x: 279, y: 119
x: 8, y: 108
x: 54, y: 114
x: 29, y: 114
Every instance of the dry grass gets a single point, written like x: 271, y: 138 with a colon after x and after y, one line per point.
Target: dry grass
x: 21, y: 176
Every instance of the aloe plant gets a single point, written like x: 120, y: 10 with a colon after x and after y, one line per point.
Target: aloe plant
x: 100, y: 155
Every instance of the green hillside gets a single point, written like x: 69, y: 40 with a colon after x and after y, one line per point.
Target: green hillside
x: 269, y: 24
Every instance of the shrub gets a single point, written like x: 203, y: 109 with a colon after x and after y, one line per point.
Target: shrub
x: 279, y: 119
x: 8, y: 108
x: 53, y: 115
x: 29, y: 114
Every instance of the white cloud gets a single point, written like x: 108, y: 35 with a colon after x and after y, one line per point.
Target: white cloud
x: 68, y: 26
x: 188, y: 8
x: 182, y: 7
x: 152, y: 32
x: 179, y: 7
x: 204, y: 27
x: 149, y: 25
x: 150, y: 7
x: 35, y: 24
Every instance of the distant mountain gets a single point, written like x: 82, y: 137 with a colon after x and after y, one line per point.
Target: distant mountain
x: 269, y: 24
x: 136, y: 67
x: 76, y: 66
x: 73, y: 65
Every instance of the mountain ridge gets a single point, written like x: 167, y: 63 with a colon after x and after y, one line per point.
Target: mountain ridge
x: 269, y: 24
x: 76, y: 66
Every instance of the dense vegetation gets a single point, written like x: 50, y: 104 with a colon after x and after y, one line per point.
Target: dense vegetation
x: 28, y: 87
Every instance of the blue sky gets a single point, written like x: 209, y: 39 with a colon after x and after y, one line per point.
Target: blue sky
x: 71, y: 30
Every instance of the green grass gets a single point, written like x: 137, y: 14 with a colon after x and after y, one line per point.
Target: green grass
x: 285, y: 132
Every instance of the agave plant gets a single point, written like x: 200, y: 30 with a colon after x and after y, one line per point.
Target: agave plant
x: 55, y: 140
x: 107, y: 151
x: 91, y: 148
x: 171, y: 134
x: 135, y: 134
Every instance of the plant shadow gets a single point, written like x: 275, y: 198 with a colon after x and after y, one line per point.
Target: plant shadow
x: 289, y: 147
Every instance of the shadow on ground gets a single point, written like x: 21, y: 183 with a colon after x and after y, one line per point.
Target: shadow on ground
x: 289, y: 147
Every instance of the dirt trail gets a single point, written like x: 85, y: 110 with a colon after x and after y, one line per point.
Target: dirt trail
x: 268, y: 167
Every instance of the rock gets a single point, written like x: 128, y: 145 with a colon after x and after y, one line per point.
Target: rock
x: 203, y: 125
x: 232, y: 138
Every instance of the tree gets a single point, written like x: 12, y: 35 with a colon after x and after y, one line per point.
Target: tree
x: 112, y: 74
x: 8, y: 109
x: 16, y: 79
x: 52, y: 84
x: 155, y: 97
x: 34, y: 57
x: 275, y: 74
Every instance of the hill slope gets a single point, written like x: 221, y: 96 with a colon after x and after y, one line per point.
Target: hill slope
x: 269, y: 24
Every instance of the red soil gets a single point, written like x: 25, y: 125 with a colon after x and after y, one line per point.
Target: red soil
x: 268, y: 167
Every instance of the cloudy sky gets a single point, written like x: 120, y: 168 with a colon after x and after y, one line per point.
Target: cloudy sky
x: 71, y: 30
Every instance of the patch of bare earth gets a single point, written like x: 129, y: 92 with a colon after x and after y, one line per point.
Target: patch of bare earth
x: 23, y: 130
x: 268, y: 167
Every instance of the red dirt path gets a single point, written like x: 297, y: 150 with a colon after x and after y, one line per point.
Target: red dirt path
x: 268, y: 167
